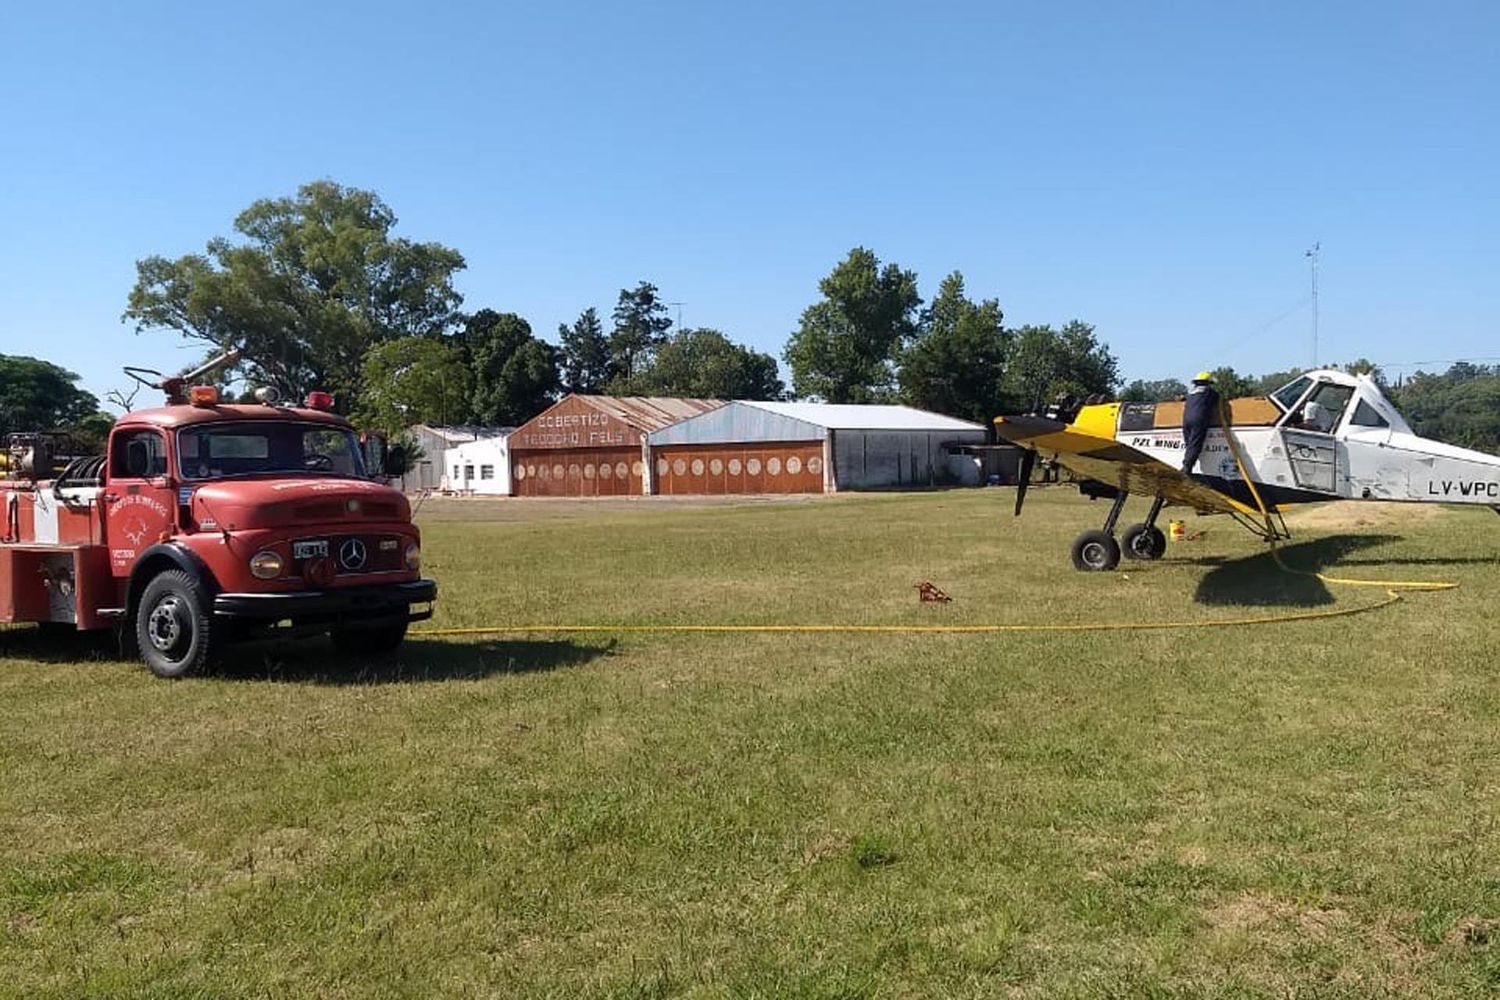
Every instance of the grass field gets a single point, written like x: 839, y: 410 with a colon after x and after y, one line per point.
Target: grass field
x: 1288, y: 810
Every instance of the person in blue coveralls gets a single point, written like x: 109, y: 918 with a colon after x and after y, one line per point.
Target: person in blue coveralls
x: 1197, y: 414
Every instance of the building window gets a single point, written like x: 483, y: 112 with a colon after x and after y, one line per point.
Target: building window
x: 468, y: 473
x: 486, y: 472
x: 455, y: 472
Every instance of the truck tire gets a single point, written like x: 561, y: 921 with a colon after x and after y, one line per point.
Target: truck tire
x: 376, y: 641
x: 174, y: 626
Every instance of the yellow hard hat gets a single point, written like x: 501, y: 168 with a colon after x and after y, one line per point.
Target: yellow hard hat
x: 1203, y: 377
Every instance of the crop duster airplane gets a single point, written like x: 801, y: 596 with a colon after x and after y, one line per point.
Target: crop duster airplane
x: 1326, y: 435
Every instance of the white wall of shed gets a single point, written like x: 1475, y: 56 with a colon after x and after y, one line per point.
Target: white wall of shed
x: 491, y: 451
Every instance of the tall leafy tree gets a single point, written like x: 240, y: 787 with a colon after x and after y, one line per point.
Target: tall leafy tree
x: 845, y: 348
x: 37, y: 395
x: 413, y: 380
x: 1046, y: 363
x: 704, y: 363
x: 957, y: 364
x: 641, y: 325
x: 1154, y: 390
x: 1460, y: 406
x: 311, y: 283
x: 516, y: 376
x: 585, y: 352
x: 1232, y: 385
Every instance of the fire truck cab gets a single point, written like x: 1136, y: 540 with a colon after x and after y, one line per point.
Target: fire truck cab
x: 206, y: 523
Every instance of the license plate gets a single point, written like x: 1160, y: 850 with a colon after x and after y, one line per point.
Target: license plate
x: 317, y: 548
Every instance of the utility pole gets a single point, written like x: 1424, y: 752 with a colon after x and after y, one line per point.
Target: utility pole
x: 1312, y: 255
x: 679, y: 306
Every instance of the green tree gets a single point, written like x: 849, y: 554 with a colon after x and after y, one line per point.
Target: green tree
x: 957, y: 364
x: 414, y: 380
x: 516, y: 375
x: 845, y: 349
x: 1460, y: 406
x: 705, y: 364
x: 1154, y: 390
x: 641, y: 325
x: 37, y: 395
x: 314, y: 281
x: 585, y: 352
x: 1232, y: 385
x: 1046, y: 363
x: 1267, y: 384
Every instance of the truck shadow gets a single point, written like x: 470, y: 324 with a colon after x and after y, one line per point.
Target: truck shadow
x: 1259, y: 580
x: 418, y: 661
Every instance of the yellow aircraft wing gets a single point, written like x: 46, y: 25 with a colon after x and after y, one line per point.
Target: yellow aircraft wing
x: 1108, y: 461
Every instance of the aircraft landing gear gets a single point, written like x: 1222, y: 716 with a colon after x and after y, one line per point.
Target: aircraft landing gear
x: 1097, y: 551
x: 1145, y: 540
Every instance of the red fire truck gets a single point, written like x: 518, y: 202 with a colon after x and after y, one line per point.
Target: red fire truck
x: 205, y: 523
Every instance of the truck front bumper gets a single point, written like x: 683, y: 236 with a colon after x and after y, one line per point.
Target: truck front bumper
x: 386, y: 600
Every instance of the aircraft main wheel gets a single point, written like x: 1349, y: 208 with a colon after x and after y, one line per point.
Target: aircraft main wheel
x: 1143, y: 541
x: 1095, y: 552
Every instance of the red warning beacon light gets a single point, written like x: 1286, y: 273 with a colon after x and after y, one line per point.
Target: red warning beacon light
x: 320, y: 400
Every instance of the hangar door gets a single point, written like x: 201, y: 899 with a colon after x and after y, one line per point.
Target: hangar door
x: 795, y: 467
x: 578, y: 472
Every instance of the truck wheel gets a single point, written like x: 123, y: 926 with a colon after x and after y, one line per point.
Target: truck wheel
x: 174, y: 629
x: 370, y: 641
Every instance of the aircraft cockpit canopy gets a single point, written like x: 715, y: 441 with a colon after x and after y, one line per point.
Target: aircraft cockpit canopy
x: 1319, y: 401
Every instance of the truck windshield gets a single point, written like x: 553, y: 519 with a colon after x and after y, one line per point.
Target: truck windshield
x: 217, y: 451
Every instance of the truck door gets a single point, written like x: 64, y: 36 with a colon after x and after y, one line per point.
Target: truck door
x: 138, y: 500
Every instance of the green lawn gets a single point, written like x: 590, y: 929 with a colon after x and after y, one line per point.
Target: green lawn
x: 1308, y: 809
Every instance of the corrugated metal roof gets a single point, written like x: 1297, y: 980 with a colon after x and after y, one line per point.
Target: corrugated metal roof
x: 460, y: 433
x: 865, y: 416
x: 650, y: 413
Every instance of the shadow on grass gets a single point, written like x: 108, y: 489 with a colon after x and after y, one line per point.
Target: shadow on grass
x: 418, y: 661
x: 314, y: 661
x: 1258, y: 580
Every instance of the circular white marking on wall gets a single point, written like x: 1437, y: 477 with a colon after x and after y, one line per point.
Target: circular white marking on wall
x: 557, y: 471
x: 605, y: 471
x: 716, y: 467
x: 531, y: 470
x: 621, y: 470
x: 520, y: 472
x: 662, y: 465
x: 574, y: 471
x: 734, y: 467
x: 588, y: 471
x: 773, y: 466
x: 636, y: 468
x: 679, y: 467
x: 753, y: 467
x: 793, y: 465
x: 815, y: 465
x: 697, y: 466
x: 542, y: 471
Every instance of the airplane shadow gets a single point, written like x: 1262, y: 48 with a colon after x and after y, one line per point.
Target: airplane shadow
x: 1259, y: 581
x: 315, y: 662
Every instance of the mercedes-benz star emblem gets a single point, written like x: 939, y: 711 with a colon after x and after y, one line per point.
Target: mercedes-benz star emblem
x: 352, y: 554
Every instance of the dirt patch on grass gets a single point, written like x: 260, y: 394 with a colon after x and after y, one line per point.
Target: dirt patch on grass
x: 1254, y: 911
x: 1345, y: 514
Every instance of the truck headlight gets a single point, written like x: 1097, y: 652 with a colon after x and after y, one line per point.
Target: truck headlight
x: 414, y: 556
x: 266, y: 565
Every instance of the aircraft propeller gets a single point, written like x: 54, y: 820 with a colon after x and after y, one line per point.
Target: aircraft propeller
x: 1028, y: 462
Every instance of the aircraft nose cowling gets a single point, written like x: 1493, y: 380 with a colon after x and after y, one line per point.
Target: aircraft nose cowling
x: 294, y: 502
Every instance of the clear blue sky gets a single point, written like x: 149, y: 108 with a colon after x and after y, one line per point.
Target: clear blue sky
x: 1154, y: 169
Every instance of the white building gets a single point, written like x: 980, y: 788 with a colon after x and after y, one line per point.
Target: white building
x: 758, y: 447
x: 481, y: 467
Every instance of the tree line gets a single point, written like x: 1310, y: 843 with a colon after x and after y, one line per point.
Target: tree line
x: 318, y: 292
